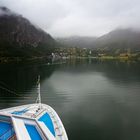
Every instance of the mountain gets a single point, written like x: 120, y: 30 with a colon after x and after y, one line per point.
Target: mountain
x: 19, y: 37
x: 119, y: 40
x: 77, y: 41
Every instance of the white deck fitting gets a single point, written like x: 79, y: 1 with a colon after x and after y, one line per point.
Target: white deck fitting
x: 20, y: 129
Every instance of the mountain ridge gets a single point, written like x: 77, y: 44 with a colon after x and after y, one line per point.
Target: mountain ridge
x: 119, y: 38
x: 19, y: 37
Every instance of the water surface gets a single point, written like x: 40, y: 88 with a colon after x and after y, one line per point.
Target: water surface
x: 96, y: 100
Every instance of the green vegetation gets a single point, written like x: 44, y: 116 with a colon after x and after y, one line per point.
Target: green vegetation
x: 34, y: 54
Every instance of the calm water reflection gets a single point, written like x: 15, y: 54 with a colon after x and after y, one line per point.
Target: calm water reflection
x: 95, y: 100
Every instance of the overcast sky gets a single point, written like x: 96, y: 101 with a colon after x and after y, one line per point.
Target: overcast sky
x: 78, y: 17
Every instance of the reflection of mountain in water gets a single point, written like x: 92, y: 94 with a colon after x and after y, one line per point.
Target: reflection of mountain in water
x: 21, y: 79
x: 105, y: 92
x: 113, y: 70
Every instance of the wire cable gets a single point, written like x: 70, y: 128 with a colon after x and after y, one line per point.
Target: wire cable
x: 10, y: 91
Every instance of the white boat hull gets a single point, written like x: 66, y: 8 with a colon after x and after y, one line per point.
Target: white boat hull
x: 31, y: 115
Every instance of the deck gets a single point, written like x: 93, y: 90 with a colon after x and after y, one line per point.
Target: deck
x: 33, y: 122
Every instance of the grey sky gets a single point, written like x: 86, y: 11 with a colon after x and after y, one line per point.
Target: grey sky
x: 78, y: 17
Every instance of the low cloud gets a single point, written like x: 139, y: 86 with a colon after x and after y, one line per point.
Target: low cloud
x: 78, y: 17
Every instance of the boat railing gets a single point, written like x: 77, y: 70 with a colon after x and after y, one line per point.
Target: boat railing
x: 8, y: 134
x: 59, y: 128
x: 37, y: 114
x: 4, y: 118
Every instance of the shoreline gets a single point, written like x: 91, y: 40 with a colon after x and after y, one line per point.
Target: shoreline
x: 18, y: 60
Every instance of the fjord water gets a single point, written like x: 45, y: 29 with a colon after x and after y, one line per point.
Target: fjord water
x: 96, y: 100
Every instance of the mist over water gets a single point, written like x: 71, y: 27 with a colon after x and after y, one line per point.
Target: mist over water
x: 95, y: 99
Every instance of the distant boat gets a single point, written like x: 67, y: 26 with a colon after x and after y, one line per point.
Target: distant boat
x: 31, y: 122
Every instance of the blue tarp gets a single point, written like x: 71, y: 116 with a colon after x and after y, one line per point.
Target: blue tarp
x: 6, y: 131
x: 4, y: 127
x: 33, y: 132
x: 20, y: 112
x: 48, y: 122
